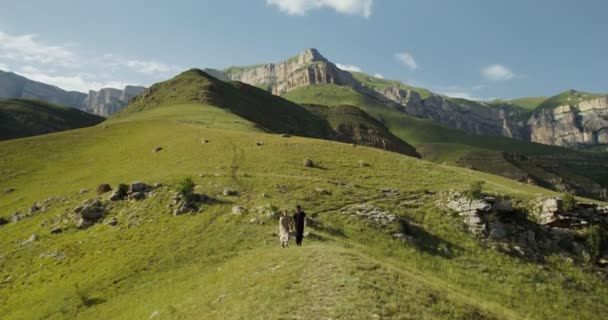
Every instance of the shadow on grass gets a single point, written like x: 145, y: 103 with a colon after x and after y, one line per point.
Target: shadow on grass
x: 425, y: 241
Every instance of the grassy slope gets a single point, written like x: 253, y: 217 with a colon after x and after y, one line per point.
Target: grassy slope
x: 24, y: 117
x: 266, y: 111
x: 217, y: 265
x: 441, y: 144
x: 567, y: 98
x: 371, y: 81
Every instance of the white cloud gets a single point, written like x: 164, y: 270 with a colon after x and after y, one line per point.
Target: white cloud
x: 407, y: 59
x: 460, y: 94
x: 72, y: 83
x: 149, y: 67
x: 28, y: 48
x: 301, y: 7
x: 379, y: 76
x: 4, y: 67
x: 348, y: 67
x: 70, y: 69
x: 497, y: 72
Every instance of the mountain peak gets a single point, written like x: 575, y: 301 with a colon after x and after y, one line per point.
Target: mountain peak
x: 310, y: 55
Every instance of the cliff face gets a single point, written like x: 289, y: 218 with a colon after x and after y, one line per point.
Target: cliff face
x: 585, y: 123
x: 104, y: 102
x: 572, y: 126
x: 108, y: 101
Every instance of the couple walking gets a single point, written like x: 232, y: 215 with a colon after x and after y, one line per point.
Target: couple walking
x: 286, y: 224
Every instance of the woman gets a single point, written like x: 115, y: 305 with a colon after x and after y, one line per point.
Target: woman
x: 285, y: 223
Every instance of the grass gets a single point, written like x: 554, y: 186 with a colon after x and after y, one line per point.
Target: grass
x: 25, y: 117
x: 217, y: 265
x: 377, y: 83
x: 489, y: 154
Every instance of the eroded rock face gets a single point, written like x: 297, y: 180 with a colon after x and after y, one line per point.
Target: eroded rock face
x: 584, y: 123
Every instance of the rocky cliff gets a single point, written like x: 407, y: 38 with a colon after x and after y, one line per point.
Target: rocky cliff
x: 585, y: 123
x: 104, y: 102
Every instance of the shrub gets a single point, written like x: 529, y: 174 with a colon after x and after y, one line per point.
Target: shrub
x: 475, y: 190
x: 83, y: 297
x: 568, y: 201
x: 596, y: 241
x: 185, y: 187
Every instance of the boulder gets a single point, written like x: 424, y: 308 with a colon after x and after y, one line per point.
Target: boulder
x: 182, y: 209
x: 103, y: 188
x: 112, y: 222
x: 308, y: 163
x: 139, y: 187
x: 285, y: 135
x: 120, y: 192
x: 230, y: 193
x: 157, y: 149
x: 31, y: 239
x: 546, y: 211
x: 259, y: 143
x: 497, y: 230
x: 238, y: 210
x: 137, y: 195
x: 3, y: 221
x: 84, y: 223
x: 56, y: 230
x: 363, y: 164
x: 322, y: 191
x: 16, y: 217
x: 9, y: 190
x: 91, y: 210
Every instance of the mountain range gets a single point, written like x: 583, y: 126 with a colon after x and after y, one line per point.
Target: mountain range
x: 572, y: 119
x: 104, y: 102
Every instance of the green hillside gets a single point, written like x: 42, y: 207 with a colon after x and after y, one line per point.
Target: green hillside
x: 374, y: 82
x: 217, y: 265
x: 569, y: 97
x: 528, y: 103
x: 497, y: 155
x: 23, y: 118
x: 240, y: 103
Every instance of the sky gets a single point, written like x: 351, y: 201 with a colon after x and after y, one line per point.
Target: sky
x: 478, y: 49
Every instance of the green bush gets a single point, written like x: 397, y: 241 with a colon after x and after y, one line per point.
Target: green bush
x: 568, y: 201
x: 596, y: 241
x: 475, y: 190
x: 185, y: 187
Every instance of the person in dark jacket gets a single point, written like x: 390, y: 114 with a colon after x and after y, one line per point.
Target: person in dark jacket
x: 299, y: 217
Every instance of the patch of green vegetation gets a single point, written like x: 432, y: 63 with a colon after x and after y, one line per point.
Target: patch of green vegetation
x: 496, y: 155
x: 528, y: 103
x: 597, y: 241
x: 570, y: 97
x: 381, y: 84
x: 568, y: 201
x: 475, y: 190
x: 24, y: 117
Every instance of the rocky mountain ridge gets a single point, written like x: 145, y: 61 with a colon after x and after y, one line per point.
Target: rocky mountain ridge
x: 581, y: 123
x: 104, y: 102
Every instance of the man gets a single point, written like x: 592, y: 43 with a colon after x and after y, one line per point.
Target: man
x: 299, y: 217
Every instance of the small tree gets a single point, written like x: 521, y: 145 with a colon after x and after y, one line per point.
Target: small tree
x: 568, y: 201
x: 596, y: 241
x: 185, y: 187
x: 475, y: 191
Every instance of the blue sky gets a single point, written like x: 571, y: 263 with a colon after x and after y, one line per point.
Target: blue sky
x: 471, y: 48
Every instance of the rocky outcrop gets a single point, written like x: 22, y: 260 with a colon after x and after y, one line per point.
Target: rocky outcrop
x: 584, y: 123
x: 108, y: 101
x: 104, y: 102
